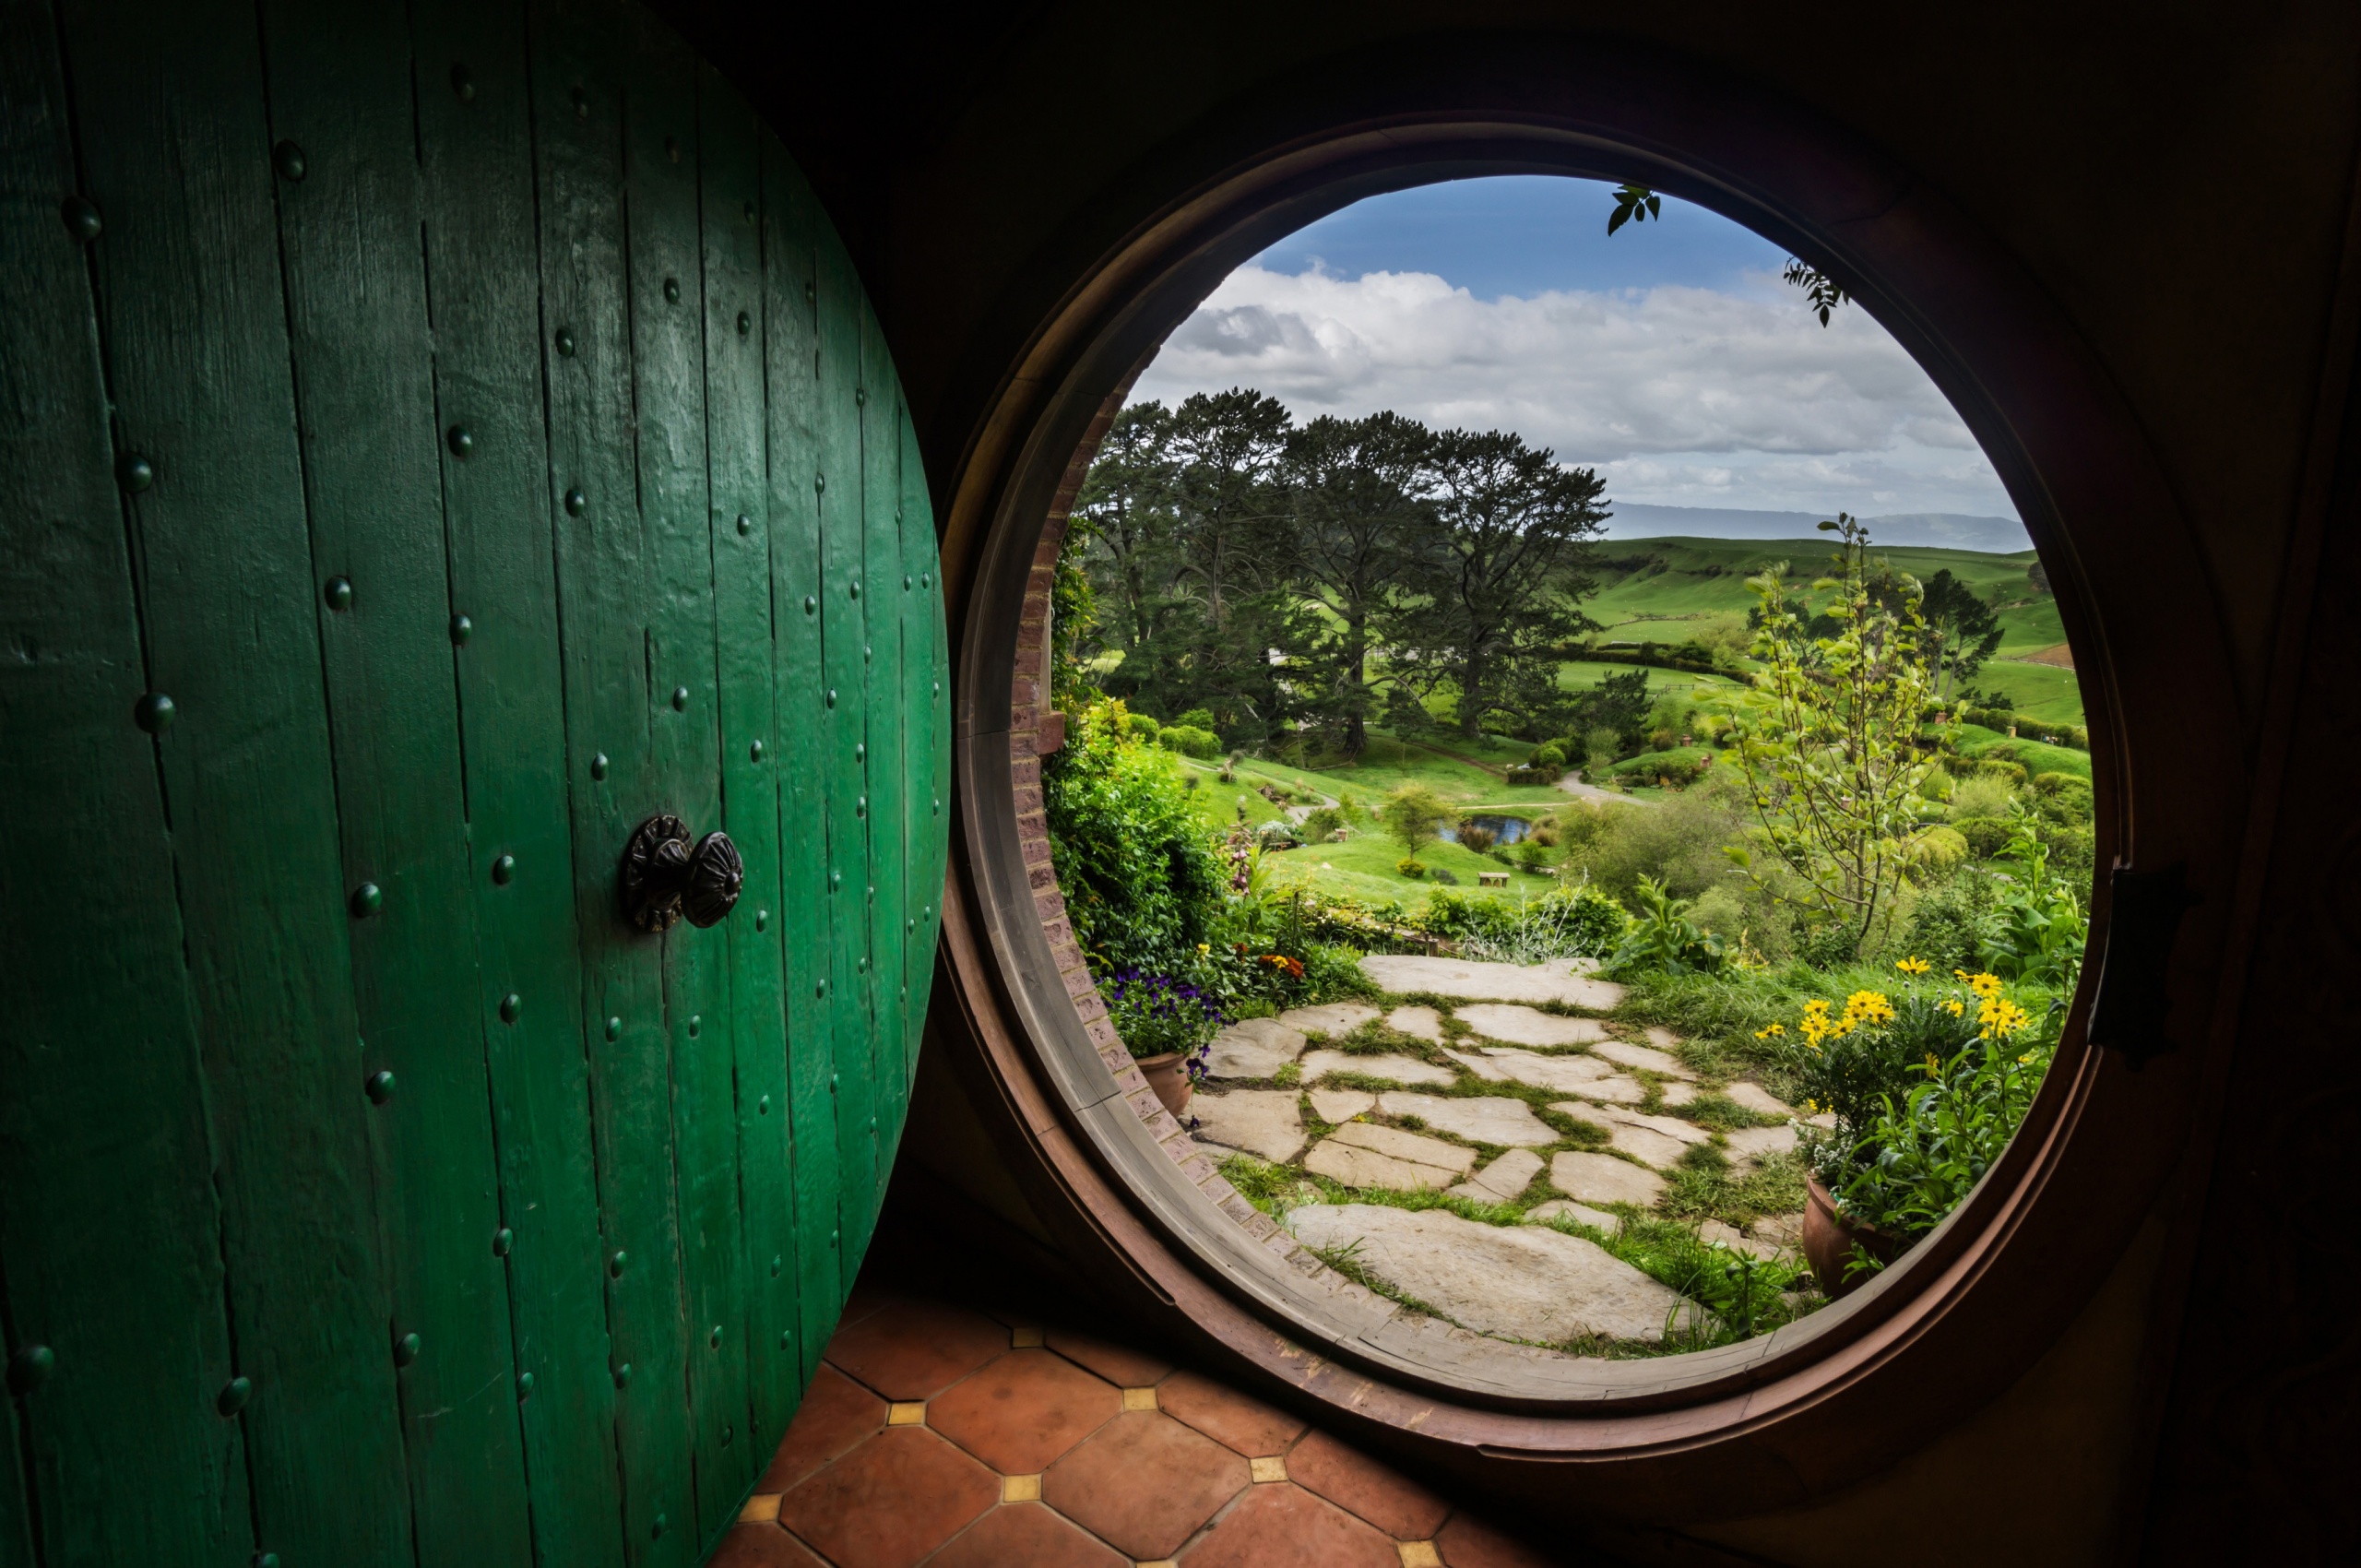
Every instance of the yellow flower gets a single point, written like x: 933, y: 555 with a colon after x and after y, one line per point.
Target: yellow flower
x: 1913, y: 966
x: 1769, y: 1030
x: 1866, y: 1007
x: 1954, y: 1008
x: 1205, y: 947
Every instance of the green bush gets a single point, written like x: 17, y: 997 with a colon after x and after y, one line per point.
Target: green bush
x: 1550, y: 753
x: 1980, y: 795
x: 1413, y: 816
x: 1145, y: 726
x: 1323, y: 821
x: 1680, y: 840
x: 1410, y: 867
x: 1662, y: 939
x: 1579, y: 921
x: 1985, y: 835
x: 1190, y: 740
x: 1954, y: 920
x: 1197, y: 718
x: 1936, y: 848
x: 1141, y: 881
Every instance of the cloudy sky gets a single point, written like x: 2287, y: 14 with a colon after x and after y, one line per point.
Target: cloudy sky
x: 1669, y: 357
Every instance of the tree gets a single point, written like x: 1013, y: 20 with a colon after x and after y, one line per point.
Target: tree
x: 1499, y: 585
x: 1828, y: 743
x: 1225, y: 448
x: 1962, y: 631
x: 1413, y: 816
x: 1352, y: 487
x: 1127, y: 502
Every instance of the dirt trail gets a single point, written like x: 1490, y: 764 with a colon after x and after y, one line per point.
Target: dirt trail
x: 1572, y: 785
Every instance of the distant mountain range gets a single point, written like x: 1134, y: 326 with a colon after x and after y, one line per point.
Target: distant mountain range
x: 1942, y: 530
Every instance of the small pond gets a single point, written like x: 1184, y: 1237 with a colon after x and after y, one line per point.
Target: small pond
x: 1504, y: 829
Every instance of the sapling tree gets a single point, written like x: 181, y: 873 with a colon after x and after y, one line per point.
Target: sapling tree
x: 1413, y: 816
x: 1830, y: 740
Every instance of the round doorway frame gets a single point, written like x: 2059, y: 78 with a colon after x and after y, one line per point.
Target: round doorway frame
x: 1801, y: 1412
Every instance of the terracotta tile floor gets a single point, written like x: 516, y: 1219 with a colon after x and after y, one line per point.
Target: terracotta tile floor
x: 939, y: 1435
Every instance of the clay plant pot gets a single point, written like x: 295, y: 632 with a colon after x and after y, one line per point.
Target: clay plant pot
x: 1169, y: 1075
x: 1831, y: 1239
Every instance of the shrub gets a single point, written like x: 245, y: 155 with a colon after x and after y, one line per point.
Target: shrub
x: 1197, y: 718
x: 1850, y: 1062
x: 1321, y: 823
x: 1936, y: 850
x: 1550, y: 754
x: 1445, y: 875
x: 1143, y: 726
x: 1411, y: 867
x: 1140, y: 880
x: 1473, y: 835
x: 1678, y: 840
x: 1664, y: 939
x: 1956, y: 917
x: 1190, y: 740
x: 1985, y: 835
x: 1981, y: 794
x: 1565, y: 923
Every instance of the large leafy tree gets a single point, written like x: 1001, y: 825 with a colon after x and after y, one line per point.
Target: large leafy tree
x: 1225, y: 448
x: 1828, y: 743
x: 1498, y: 584
x: 1126, y: 502
x: 1357, y: 520
x: 1962, y: 631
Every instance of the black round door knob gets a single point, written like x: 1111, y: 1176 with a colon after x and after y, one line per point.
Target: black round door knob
x: 665, y: 877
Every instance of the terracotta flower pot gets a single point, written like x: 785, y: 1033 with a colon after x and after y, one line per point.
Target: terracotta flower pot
x: 1169, y: 1075
x: 1831, y: 1239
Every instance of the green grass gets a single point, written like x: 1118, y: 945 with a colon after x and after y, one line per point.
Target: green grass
x: 2043, y: 691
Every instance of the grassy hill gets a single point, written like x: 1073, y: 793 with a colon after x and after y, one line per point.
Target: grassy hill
x: 1655, y: 589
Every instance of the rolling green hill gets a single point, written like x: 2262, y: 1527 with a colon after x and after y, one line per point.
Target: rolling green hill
x: 1657, y: 590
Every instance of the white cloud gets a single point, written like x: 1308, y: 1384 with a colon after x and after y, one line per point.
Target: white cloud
x: 1679, y: 395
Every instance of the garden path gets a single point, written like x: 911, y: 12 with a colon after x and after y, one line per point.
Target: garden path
x: 1572, y: 785
x: 1495, y: 1144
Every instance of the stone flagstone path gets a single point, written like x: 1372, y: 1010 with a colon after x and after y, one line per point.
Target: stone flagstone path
x: 1526, y: 1095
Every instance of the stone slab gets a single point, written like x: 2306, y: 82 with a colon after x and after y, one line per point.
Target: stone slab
x: 1748, y: 1146
x: 1474, y: 981
x: 1603, y: 1178
x: 1256, y: 1047
x: 1423, y: 1022
x: 1402, y: 1144
x: 1645, y: 1057
x: 1503, y: 1180
x: 1394, y: 1069
x: 1584, y: 1075
x: 1581, y: 1214
x: 1342, y: 1105
x: 1757, y: 1098
x: 1677, y: 1093
x: 1522, y: 1282
x: 1491, y: 1119
x: 1658, y: 1140
x: 1518, y: 1025
x: 1662, y: 1038
x: 1786, y: 1229
x: 1267, y: 1123
x: 1368, y: 1168
x: 1336, y: 1019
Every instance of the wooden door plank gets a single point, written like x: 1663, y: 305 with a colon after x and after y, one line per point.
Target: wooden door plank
x: 843, y: 634
x: 792, y: 222
x: 660, y: 163
x: 110, y: 1230
x: 736, y: 455
x: 887, y: 724
x: 183, y: 173
x: 475, y: 143
x: 924, y: 807
x: 605, y: 593
x: 338, y: 87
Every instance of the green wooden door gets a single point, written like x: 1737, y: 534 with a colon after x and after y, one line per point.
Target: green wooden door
x: 434, y: 440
